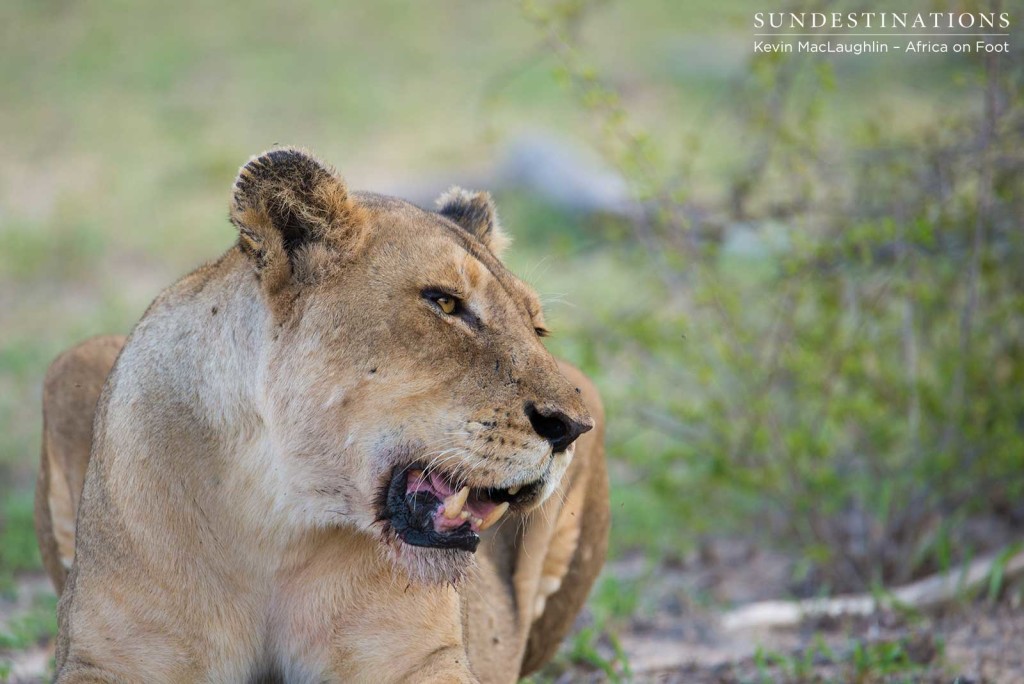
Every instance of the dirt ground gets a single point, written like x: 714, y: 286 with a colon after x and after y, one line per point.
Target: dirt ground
x: 975, y: 644
x: 675, y: 638
x: 971, y: 644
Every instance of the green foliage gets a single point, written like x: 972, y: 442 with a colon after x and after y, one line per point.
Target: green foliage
x: 997, y: 575
x: 837, y: 361
x: 892, y: 661
x: 32, y: 627
x: 585, y: 651
x: 594, y: 647
x: 18, y: 549
x: 615, y: 598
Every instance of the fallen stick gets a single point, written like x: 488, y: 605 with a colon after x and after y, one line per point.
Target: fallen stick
x: 926, y: 593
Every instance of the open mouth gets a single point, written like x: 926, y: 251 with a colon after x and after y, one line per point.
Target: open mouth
x: 430, y: 509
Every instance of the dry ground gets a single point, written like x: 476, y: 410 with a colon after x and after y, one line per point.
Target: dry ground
x: 676, y: 636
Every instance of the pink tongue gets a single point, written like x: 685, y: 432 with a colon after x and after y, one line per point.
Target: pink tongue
x: 436, y: 485
x: 433, y: 484
x: 440, y: 487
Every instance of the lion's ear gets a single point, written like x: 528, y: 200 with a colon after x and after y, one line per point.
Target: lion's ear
x: 290, y: 209
x: 474, y: 212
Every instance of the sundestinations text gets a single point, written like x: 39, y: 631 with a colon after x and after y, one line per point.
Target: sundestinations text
x: 881, y: 20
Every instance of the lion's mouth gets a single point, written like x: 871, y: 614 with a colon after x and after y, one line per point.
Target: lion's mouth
x: 430, y: 509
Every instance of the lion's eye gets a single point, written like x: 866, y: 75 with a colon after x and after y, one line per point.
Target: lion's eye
x: 542, y: 332
x: 446, y: 304
x: 449, y: 304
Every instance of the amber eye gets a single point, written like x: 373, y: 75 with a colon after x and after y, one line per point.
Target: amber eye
x: 449, y: 304
x: 446, y: 304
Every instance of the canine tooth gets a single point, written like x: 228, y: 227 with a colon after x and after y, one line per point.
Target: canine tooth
x: 416, y: 473
x: 464, y: 515
x: 495, y: 515
x: 454, y: 503
x: 513, y: 490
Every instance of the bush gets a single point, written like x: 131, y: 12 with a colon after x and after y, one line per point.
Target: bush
x: 840, y: 352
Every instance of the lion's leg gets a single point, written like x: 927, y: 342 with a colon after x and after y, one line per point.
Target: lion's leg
x: 561, y: 551
x: 575, y: 550
x: 70, y: 391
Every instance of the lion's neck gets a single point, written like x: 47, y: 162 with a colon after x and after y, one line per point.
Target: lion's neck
x: 184, y: 410
x: 225, y: 323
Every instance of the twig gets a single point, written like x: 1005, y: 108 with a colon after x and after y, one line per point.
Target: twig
x: 926, y: 593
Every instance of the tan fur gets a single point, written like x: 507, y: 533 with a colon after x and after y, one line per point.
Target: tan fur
x: 70, y: 390
x: 228, y: 526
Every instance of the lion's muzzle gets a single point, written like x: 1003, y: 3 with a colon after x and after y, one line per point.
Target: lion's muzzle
x: 429, y: 509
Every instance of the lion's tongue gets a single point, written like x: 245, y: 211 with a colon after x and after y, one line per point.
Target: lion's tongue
x: 457, y: 506
x: 428, y: 482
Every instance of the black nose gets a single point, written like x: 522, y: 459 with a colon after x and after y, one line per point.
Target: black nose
x: 556, y: 427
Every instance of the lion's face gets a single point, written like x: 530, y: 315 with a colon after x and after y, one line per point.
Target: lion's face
x: 407, y: 389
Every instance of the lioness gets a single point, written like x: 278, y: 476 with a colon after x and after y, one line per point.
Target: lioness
x: 339, y: 452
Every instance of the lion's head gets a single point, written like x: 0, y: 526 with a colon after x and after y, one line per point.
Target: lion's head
x: 405, y: 385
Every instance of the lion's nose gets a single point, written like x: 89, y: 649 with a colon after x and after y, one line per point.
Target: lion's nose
x: 555, y: 426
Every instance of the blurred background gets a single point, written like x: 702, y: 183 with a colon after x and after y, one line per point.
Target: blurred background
x: 796, y: 279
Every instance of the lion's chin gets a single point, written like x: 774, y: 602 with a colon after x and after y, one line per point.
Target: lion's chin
x: 424, y: 565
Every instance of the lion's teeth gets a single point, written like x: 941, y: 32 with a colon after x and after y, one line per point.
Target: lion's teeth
x: 418, y: 474
x: 513, y: 490
x: 464, y: 515
x: 454, y: 503
x: 495, y: 515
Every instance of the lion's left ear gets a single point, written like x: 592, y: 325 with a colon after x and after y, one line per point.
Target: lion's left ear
x: 294, y: 216
x: 474, y: 212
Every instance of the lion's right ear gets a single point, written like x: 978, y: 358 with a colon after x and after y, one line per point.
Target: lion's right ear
x: 474, y: 212
x: 293, y: 211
